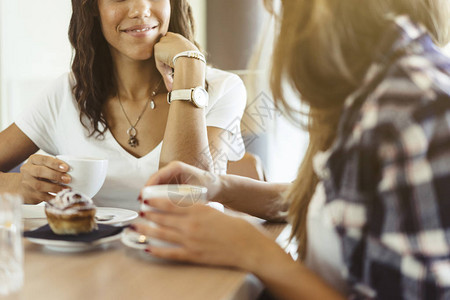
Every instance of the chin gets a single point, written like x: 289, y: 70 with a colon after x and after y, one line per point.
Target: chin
x: 141, y: 56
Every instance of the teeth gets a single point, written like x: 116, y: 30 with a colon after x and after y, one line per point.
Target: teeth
x: 141, y: 30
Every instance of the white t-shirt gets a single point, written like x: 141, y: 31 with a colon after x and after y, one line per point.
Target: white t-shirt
x: 53, y: 124
x: 324, y: 248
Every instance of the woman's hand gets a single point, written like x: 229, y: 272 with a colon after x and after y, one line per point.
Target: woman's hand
x: 165, y: 50
x: 181, y: 173
x: 207, y: 236
x: 42, y: 174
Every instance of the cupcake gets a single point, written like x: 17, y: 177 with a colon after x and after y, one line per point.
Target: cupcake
x: 71, y: 213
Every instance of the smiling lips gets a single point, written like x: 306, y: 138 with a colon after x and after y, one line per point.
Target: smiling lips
x: 140, y: 30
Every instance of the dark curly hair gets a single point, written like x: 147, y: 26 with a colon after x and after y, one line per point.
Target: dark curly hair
x: 92, y: 63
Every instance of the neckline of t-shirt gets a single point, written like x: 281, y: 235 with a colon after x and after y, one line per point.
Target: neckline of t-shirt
x: 128, y: 154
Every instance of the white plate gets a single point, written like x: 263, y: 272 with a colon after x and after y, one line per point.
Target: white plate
x: 119, y: 216
x: 116, y: 216
x: 66, y: 246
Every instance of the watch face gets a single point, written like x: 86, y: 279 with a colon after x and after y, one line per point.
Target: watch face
x: 200, y: 97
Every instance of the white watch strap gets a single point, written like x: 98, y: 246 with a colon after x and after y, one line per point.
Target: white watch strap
x: 180, y: 95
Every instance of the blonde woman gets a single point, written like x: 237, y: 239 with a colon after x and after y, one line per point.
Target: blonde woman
x: 370, y: 205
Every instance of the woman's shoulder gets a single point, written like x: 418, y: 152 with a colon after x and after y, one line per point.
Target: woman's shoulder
x: 57, y: 93
x: 222, y: 80
x: 61, y: 86
x: 415, y: 90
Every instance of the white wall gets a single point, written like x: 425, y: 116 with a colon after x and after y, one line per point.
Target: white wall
x: 199, y: 8
x: 34, y: 50
x: 3, y: 112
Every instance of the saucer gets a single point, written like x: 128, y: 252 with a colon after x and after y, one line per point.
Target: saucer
x: 119, y: 216
x: 70, y: 247
x: 101, y: 236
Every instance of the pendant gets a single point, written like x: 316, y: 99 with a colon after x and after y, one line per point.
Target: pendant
x: 132, y: 140
x: 152, y: 104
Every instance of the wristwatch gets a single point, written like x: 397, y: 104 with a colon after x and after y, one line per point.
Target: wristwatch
x: 197, y: 96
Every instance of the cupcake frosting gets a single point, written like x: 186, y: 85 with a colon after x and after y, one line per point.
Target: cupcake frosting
x: 69, y: 202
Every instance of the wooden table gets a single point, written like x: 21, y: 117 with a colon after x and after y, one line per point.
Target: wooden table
x: 118, y: 272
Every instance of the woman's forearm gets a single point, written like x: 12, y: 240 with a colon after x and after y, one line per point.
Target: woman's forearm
x: 257, y: 198
x: 185, y: 138
x: 286, y: 278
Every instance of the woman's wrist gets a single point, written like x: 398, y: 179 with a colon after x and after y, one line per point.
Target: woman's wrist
x: 264, y: 256
x: 189, y: 73
x: 189, y: 54
x: 223, y: 188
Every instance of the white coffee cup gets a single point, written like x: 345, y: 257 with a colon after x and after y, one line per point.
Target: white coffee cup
x: 88, y: 174
x: 180, y: 194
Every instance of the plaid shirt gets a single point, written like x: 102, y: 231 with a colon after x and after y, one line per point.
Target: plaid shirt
x: 387, y: 175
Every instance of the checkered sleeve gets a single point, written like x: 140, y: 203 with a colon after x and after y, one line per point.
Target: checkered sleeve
x: 406, y: 249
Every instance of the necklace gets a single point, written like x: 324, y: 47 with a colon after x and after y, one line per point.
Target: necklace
x: 132, y: 131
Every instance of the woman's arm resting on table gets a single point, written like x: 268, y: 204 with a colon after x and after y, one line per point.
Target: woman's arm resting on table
x: 257, y: 198
x: 254, y: 197
x: 288, y: 279
x: 207, y: 236
x: 33, y: 181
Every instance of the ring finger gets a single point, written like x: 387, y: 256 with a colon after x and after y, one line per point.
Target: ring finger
x: 160, y: 233
x: 48, y: 174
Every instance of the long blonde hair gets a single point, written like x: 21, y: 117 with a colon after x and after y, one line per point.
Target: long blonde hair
x: 323, y: 50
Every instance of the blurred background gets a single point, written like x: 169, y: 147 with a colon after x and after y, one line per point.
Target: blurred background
x: 236, y: 34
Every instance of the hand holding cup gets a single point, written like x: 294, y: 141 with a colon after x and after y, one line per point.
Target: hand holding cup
x: 87, y: 174
x: 41, y: 175
x: 181, y: 195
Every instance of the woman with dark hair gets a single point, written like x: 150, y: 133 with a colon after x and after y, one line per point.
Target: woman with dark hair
x: 370, y: 206
x: 134, y: 60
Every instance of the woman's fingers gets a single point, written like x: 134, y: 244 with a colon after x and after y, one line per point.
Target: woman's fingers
x: 43, y: 172
x: 50, y: 162
x: 41, y: 185
x: 42, y: 175
x: 44, y: 197
x: 166, y: 220
x: 168, y: 174
x: 171, y: 253
x: 34, y: 197
x: 164, y: 205
x: 170, y: 45
x: 179, y: 173
x: 160, y: 233
x: 166, y: 73
x: 203, y: 235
